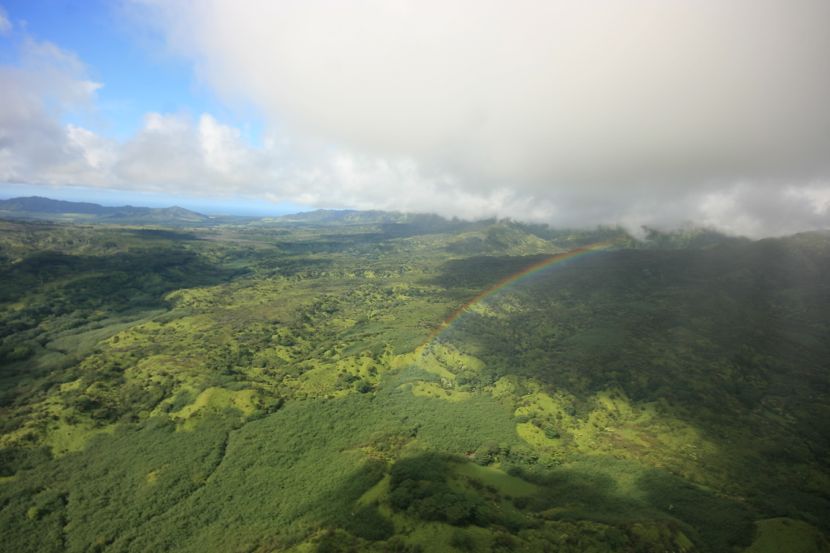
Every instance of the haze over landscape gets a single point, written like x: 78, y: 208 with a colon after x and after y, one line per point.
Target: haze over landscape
x: 312, y: 276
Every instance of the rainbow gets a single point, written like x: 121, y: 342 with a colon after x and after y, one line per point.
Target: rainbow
x: 510, y: 280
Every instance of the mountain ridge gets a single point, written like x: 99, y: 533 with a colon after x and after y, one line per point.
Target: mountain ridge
x: 39, y: 207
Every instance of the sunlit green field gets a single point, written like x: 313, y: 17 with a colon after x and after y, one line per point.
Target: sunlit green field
x: 280, y: 386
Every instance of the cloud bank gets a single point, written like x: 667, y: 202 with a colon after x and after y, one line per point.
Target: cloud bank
x: 569, y: 112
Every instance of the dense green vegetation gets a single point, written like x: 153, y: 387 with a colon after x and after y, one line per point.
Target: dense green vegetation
x: 275, y: 385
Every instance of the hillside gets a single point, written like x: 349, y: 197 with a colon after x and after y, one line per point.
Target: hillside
x: 368, y: 382
x: 35, y: 207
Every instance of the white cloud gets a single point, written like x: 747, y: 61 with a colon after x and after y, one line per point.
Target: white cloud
x: 201, y: 157
x: 560, y: 93
x: 595, y: 109
x: 574, y: 113
x: 170, y: 152
x: 97, y: 152
x: 34, y: 144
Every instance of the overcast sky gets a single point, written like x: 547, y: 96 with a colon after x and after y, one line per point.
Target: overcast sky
x: 574, y: 113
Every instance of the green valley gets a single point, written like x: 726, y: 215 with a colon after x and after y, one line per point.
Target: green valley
x: 361, y: 381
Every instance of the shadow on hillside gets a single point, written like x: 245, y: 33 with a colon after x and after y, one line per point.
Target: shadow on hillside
x: 481, y: 271
x: 425, y: 487
x: 113, y: 282
x: 164, y: 234
x: 719, y: 338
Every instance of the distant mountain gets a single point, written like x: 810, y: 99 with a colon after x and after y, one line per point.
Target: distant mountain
x: 464, y: 237
x: 38, y: 204
x: 348, y: 216
x: 321, y: 217
x: 36, y: 207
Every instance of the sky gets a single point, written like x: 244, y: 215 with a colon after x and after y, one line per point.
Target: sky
x: 569, y: 112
